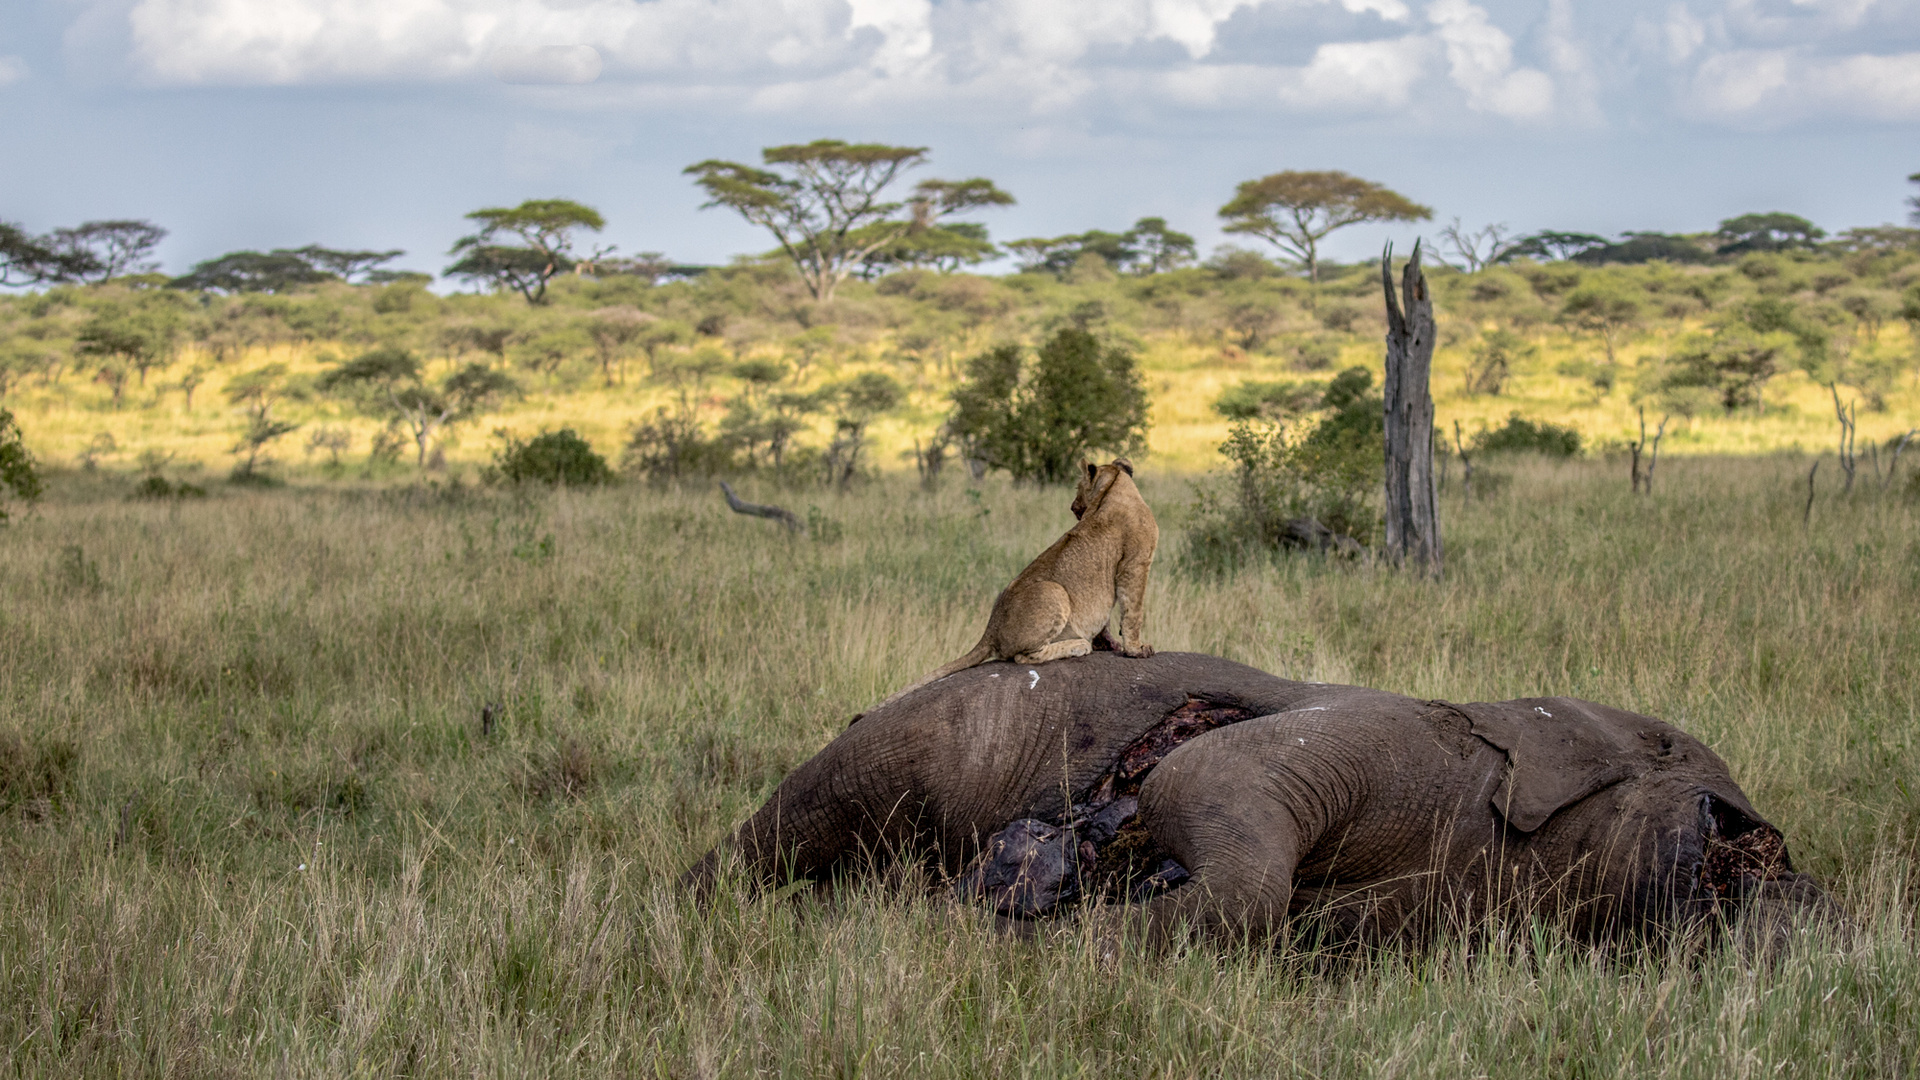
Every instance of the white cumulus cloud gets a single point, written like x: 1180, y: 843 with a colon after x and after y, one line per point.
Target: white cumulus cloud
x: 1360, y: 74
x: 546, y: 65
x: 1731, y: 61
x: 1480, y: 62
x: 1773, y: 86
x: 1772, y: 62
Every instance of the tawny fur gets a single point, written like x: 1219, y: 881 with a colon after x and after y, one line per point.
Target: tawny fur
x: 1063, y: 597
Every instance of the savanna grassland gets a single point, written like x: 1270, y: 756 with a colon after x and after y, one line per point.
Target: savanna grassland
x: 1740, y: 353
x: 253, y: 822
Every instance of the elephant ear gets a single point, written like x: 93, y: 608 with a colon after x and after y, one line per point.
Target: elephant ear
x: 1561, y: 750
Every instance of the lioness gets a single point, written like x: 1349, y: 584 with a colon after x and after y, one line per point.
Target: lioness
x: 1063, y: 597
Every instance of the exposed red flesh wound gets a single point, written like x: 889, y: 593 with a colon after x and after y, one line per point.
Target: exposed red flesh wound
x: 1196, y: 717
x: 1757, y: 854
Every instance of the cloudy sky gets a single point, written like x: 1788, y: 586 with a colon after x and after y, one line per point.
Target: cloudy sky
x: 378, y: 123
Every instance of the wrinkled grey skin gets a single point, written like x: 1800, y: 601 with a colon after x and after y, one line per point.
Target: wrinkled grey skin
x: 946, y: 766
x: 1390, y: 817
x: 1382, y: 814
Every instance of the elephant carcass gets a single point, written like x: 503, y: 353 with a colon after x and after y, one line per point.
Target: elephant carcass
x: 1382, y: 814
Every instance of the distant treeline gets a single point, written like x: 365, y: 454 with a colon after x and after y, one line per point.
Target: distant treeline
x: 780, y: 361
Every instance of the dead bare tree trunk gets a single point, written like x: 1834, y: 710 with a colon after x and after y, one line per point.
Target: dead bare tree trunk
x: 1849, y: 455
x: 1643, y: 481
x: 1413, y: 512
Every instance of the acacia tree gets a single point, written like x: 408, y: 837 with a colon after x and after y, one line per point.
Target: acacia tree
x: 29, y: 260
x: 96, y: 251
x: 140, y: 336
x: 1551, y: 246
x: 1294, y: 211
x: 1913, y: 201
x: 1766, y: 232
x: 858, y: 401
x: 1147, y: 248
x: 1602, y: 309
x: 389, y: 383
x: 545, y: 228
x: 257, y: 392
x: 615, y: 330
x: 250, y: 272
x: 349, y: 264
x: 945, y: 248
x: 823, y: 202
x: 100, y: 250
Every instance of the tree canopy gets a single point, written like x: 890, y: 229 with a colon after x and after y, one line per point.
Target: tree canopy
x: 1038, y: 420
x: 823, y: 202
x: 545, y: 229
x: 251, y: 271
x: 26, y: 259
x: 1294, y: 211
x: 349, y: 264
x: 1766, y: 232
x: 945, y: 248
x: 1642, y: 247
x: 140, y: 334
x: 389, y: 383
x: 1551, y: 246
x: 1150, y: 247
x: 96, y: 251
x: 257, y: 392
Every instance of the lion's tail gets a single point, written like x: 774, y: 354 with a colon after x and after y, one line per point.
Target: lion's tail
x: 979, y: 654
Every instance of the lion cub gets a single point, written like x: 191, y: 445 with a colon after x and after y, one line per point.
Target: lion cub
x: 1062, y: 599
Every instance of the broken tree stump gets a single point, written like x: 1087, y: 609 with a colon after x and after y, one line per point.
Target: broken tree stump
x: 741, y: 506
x: 1413, y: 511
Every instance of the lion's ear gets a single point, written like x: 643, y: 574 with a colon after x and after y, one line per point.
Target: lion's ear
x: 1092, y: 469
x: 1125, y: 465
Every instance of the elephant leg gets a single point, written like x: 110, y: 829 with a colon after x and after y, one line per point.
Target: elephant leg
x: 1240, y: 843
x: 1239, y: 891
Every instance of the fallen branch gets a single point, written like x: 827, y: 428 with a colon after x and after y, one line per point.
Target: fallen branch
x: 741, y: 506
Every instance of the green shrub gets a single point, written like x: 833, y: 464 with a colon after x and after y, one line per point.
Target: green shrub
x: 18, y: 472
x: 158, y: 487
x: 552, y: 457
x: 1494, y: 359
x: 1328, y: 468
x: 1037, y: 421
x: 1253, y: 399
x: 671, y: 446
x: 1522, y: 436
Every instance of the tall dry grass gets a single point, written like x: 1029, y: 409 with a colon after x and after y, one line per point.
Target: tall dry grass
x: 250, y: 822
